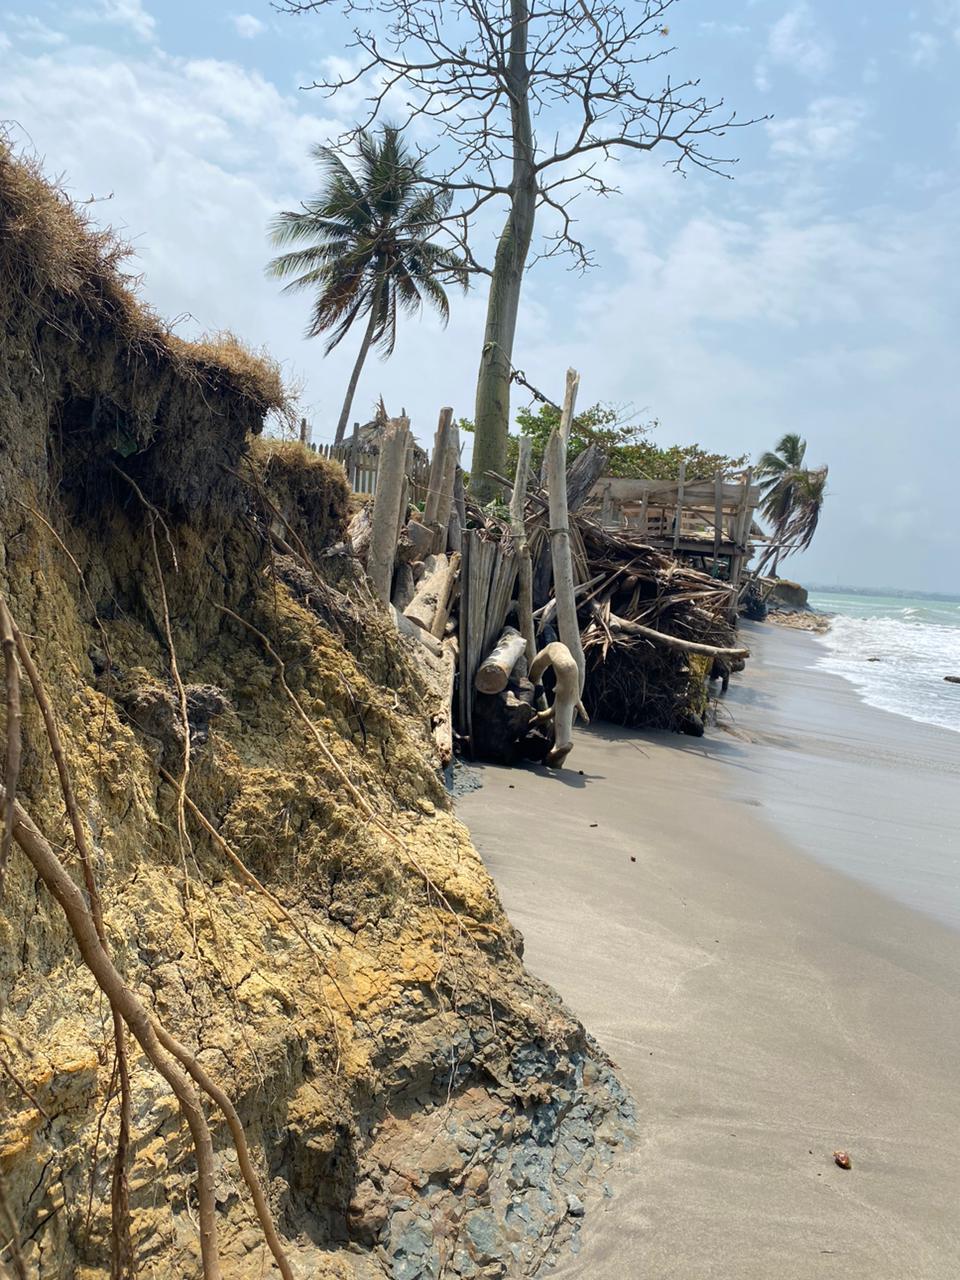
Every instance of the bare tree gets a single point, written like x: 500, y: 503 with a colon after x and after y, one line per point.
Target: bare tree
x: 531, y: 99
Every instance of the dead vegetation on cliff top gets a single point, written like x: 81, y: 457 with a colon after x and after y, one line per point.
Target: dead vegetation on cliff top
x: 52, y: 250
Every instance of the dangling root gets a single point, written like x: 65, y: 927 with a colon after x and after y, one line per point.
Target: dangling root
x: 183, y: 838
x: 122, y: 999
x: 88, y: 930
x: 249, y: 878
x: 121, y: 1245
x: 12, y: 765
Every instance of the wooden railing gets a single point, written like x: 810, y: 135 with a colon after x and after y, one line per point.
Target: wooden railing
x: 362, y: 465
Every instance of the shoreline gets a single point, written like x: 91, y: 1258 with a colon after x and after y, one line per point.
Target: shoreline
x: 764, y: 1008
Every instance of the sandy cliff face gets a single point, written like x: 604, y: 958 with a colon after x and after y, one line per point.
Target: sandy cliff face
x: 416, y: 1103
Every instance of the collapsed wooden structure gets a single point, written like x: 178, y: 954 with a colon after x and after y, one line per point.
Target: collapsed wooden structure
x: 555, y: 610
x: 707, y: 523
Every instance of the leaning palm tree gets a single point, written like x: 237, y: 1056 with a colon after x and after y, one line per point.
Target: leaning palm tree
x: 777, y: 472
x: 364, y: 243
x: 792, y: 499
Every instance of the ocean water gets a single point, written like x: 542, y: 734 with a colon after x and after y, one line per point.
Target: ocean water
x: 895, y: 650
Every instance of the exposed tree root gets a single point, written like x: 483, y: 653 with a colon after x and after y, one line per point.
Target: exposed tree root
x: 183, y: 838
x: 88, y: 929
x: 12, y: 759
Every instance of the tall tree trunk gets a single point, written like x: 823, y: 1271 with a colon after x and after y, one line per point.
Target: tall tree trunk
x: 361, y: 357
x: 492, y: 415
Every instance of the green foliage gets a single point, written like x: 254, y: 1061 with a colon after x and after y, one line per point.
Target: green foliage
x: 793, y: 497
x: 364, y: 242
x: 630, y: 453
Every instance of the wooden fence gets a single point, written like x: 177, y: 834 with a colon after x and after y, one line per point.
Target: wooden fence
x: 362, y: 464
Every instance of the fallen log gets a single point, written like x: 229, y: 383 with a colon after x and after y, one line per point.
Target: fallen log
x: 416, y: 541
x: 359, y: 531
x: 422, y: 609
x: 674, y: 642
x: 494, y: 672
x: 411, y: 630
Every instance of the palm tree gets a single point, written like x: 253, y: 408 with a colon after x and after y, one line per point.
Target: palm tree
x: 363, y: 243
x: 792, y: 498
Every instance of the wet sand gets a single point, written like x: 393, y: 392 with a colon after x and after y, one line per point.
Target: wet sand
x: 764, y: 1008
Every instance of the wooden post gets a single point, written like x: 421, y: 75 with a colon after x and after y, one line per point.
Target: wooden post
x: 740, y: 527
x: 437, y: 464
x: 679, y: 516
x: 717, y: 518
x: 563, y: 584
x: 569, y: 404
x: 304, y: 432
x: 525, y: 565
x: 448, y: 481
x: 608, y: 510
x: 352, y: 456
x: 386, y: 510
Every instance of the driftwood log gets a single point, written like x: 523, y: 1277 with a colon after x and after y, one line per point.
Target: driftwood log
x: 411, y: 630
x: 391, y: 478
x: 495, y: 670
x: 673, y: 642
x: 360, y: 530
x: 431, y: 588
x: 416, y: 541
x: 566, y: 698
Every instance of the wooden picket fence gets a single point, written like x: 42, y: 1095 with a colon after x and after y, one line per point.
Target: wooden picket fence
x: 362, y: 464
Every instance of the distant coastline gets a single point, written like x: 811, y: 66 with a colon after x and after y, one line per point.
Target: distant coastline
x: 896, y: 593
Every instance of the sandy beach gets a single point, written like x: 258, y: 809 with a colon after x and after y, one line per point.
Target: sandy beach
x: 712, y: 910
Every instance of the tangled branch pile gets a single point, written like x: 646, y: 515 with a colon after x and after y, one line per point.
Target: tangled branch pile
x: 654, y: 631
x: 640, y: 600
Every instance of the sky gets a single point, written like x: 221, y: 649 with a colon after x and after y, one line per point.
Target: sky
x: 816, y: 292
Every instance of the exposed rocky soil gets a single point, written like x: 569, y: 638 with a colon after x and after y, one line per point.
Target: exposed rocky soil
x: 416, y: 1103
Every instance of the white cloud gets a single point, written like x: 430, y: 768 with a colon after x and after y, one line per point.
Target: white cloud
x: 924, y: 49
x: 828, y: 131
x: 797, y: 41
x: 247, y: 26
x: 732, y: 311
x: 123, y: 13
x: 31, y: 30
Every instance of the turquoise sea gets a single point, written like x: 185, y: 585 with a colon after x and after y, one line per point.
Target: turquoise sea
x: 896, y: 650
